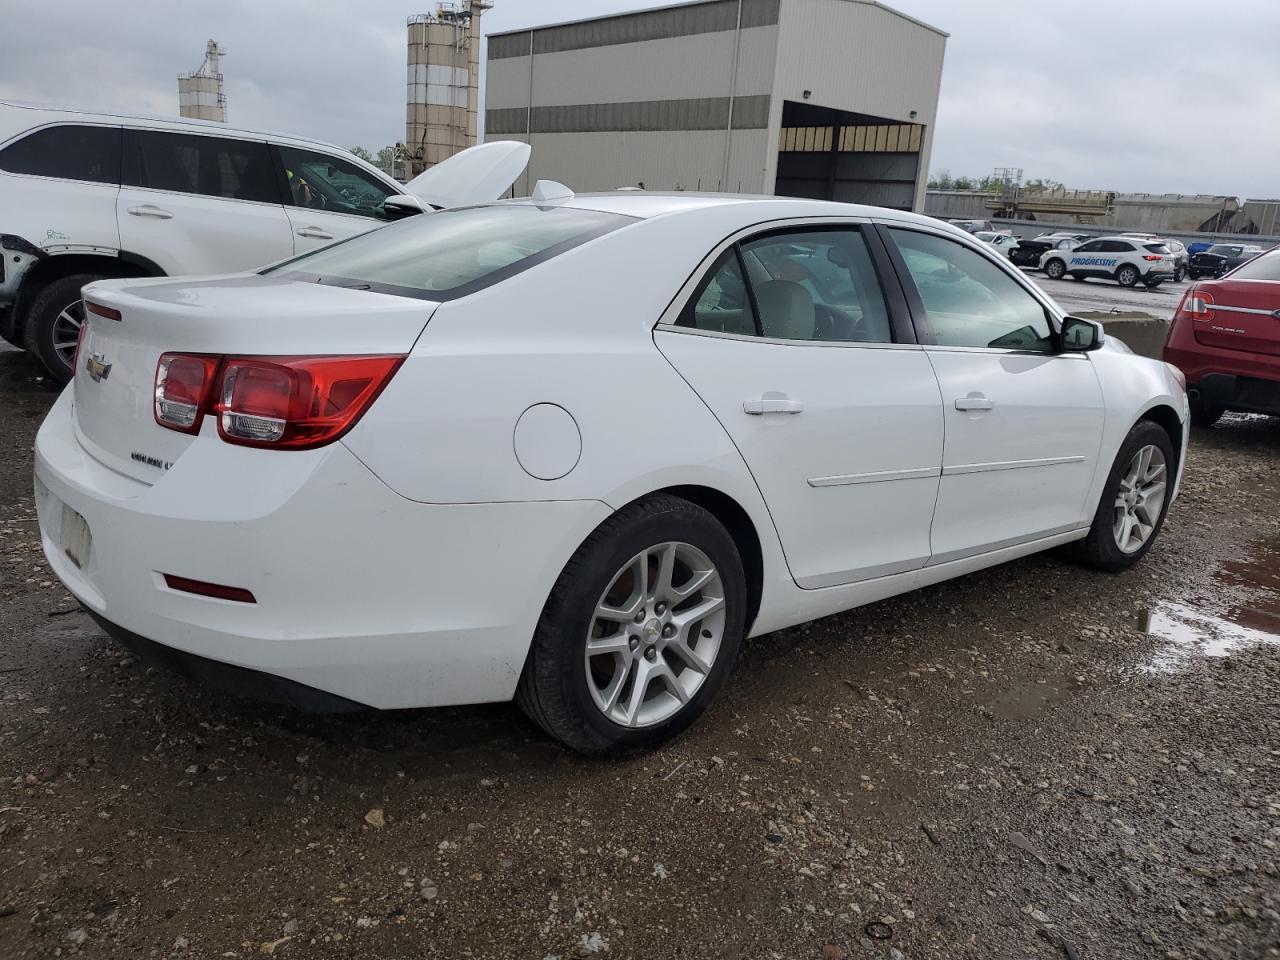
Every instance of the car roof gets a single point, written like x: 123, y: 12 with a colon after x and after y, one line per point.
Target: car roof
x: 63, y: 112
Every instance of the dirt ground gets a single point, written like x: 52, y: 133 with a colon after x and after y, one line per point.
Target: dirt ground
x: 1033, y: 761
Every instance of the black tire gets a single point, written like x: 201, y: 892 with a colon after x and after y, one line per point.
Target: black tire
x: 1178, y: 274
x: 1099, y: 549
x: 1151, y: 284
x: 42, y: 322
x: 553, y: 689
x: 1193, y: 274
x: 1203, y: 414
x: 1127, y: 275
x: 1054, y: 269
x: 1078, y: 276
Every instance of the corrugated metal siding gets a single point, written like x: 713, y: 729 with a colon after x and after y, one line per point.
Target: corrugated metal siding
x: 707, y: 113
x: 664, y: 24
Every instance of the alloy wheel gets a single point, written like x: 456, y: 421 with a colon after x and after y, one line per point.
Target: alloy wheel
x: 1140, y: 499
x: 66, y: 331
x: 655, y: 634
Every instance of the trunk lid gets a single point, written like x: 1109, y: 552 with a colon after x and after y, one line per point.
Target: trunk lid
x: 1245, y: 315
x: 114, y: 379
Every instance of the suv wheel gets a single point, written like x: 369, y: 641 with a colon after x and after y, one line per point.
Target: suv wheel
x: 1132, y: 509
x: 1127, y: 275
x: 640, y: 631
x: 53, y: 323
x: 1054, y: 269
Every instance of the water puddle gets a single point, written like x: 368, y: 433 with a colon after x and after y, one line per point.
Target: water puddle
x: 1190, y: 631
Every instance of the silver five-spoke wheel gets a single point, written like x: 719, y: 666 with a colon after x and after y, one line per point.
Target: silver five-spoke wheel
x: 655, y: 633
x: 66, y: 331
x: 1140, y: 499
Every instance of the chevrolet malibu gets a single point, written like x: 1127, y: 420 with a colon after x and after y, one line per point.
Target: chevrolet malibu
x: 572, y: 450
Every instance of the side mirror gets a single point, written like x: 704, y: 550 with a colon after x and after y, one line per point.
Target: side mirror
x: 1081, y: 336
x: 401, y: 205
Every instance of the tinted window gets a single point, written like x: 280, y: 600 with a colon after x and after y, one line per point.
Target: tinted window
x: 1116, y: 246
x: 1157, y: 248
x: 321, y: 182
x: 211, y: 166
x: 970, y: 301
x: 721, y: 303
x: 440, y: 256
x: 1222, y: 250
x: 72, y: 153
x: 1265, y: 267
x: 1093, y: 246
x: 817, y: 285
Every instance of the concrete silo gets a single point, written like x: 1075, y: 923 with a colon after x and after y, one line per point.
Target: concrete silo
x: 442, y: 95
x: 200, y: 93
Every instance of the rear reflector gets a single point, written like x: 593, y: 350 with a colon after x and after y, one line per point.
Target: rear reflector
x: 291, y: 403
x: 216, y: 590
x: 109, y: 312
x: 1152, y: 256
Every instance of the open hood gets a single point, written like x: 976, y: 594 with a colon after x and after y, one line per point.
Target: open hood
x: 478, y: 174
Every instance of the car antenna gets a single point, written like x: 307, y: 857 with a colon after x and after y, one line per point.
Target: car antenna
x: 547, y: 190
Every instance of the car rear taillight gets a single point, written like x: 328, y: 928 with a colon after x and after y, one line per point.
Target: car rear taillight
x: 292, y: 403
x: 182, y: 390
x: 111, y: 313
x: 1197, y: 304
x: 1152, y: 256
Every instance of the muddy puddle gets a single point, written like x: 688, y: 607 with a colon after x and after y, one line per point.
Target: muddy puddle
x: 1249, y: 616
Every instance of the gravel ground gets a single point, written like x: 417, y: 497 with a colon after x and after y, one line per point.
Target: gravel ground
x: 1033, y: 761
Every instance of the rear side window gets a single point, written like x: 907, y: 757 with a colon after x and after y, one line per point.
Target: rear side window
x: 1116, y: 246
x: 443, y: 256
x: 1159, y: 248
x: 67, y: 152
x: 1265, y: 267
x: 209, y: 166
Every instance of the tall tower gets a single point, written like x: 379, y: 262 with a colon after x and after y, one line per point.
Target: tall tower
x: 200, y: 93
x: 443, y: 93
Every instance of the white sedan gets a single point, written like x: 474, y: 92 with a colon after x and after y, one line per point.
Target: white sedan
x: 572, y: 450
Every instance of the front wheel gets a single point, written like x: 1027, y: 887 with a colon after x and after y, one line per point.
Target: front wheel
x: 53, y: 324
x: 1127, y: 275
x: 640, y: 631
x: 1134, y: 501
x: 1054, y: 269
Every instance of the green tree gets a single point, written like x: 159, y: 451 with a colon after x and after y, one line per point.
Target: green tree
x: 362, y: 153
x: 386, y: 158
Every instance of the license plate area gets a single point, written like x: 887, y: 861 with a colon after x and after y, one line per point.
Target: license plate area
x: 74, y: 537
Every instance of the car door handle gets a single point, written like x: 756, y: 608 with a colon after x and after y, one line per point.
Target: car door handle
x: 772, y: 403
x: 315, y: 233
x: 975, y: 401
x: 151, y: 210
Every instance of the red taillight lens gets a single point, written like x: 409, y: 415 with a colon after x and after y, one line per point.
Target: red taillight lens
x: 297, y: 402
x: 109, y: 312
x: 1197, y: 303
x: 1152, y: 256
x: 75, y: 357
x: 283, y: 402
x: 217, y: 590
x: 183, y: 381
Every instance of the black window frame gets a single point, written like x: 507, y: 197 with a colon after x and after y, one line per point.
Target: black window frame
x: 286, y: 192
x: 132, y: 145
x: 28, y: 135
x: 1084, y: 247
x: 901, y: 330
x: 920, y: 314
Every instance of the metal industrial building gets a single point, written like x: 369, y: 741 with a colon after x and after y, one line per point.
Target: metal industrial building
x: 814, y: 98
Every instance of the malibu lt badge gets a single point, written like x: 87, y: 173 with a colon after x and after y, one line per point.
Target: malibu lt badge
x: 98, y: 367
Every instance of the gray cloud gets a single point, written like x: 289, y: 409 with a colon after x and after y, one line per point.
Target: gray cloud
x: 1168, y: 96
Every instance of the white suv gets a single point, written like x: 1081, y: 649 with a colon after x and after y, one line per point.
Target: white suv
x: 1123, y: 259
x: 86, y: 196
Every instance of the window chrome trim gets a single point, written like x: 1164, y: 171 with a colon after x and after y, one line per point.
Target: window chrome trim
x: 667, y: 320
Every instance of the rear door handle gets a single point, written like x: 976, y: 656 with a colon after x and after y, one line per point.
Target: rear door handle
x: 974, y: 401
x: 315, y: 233
x: 151, y: 210
x: 772, y: 403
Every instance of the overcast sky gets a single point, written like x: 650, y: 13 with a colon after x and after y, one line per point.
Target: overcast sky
x: 1158, y: 96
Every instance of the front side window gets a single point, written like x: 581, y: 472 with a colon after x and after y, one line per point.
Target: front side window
x: 209, y: 166
x: 1117, y: 246
x: 446, y: 255
x: 970, y: 301
x: 321, y: 182
x: 67, y: 152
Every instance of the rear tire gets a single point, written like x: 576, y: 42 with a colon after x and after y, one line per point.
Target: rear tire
x: 1193, y: 274
x: 1054, y: 269
x: 1101, y: 549
x: 1127, y: 275
x: 53, y: 323
x: 570, y: 692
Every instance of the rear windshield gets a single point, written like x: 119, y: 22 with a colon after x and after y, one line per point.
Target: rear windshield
x: 1157, y: 248
x: 443, y: 256
x: 1265, y: 267
x: 1221, y: 250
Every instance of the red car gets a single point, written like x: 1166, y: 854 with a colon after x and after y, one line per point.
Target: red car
x: 1226, y: 338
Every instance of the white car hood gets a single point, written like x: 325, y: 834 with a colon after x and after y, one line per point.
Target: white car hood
x: 478, y: 174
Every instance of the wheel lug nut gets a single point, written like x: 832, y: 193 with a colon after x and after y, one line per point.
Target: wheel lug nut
x: 660, y: 609
x: 640, y: 617
x: 651, y: 654
x: 633, y: 642
x: 668, y: 631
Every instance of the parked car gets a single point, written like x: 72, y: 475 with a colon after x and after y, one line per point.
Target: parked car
x: 411, y: 469
x: 1001, y: 242
x: 1220, y: 258
x: 1181, y: 259
x: 1225, y: 337
x: 1031, y: 253
x: 973, y: 226
x: 86, y: 196
x: 1122, y: 259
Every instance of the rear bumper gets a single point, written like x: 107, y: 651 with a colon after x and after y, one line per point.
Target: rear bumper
x: 1231, y: 379
x: 361, y: 594
x: 1243, y: 394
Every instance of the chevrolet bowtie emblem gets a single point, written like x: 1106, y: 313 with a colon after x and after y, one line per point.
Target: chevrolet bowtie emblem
x: 98, y: 367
